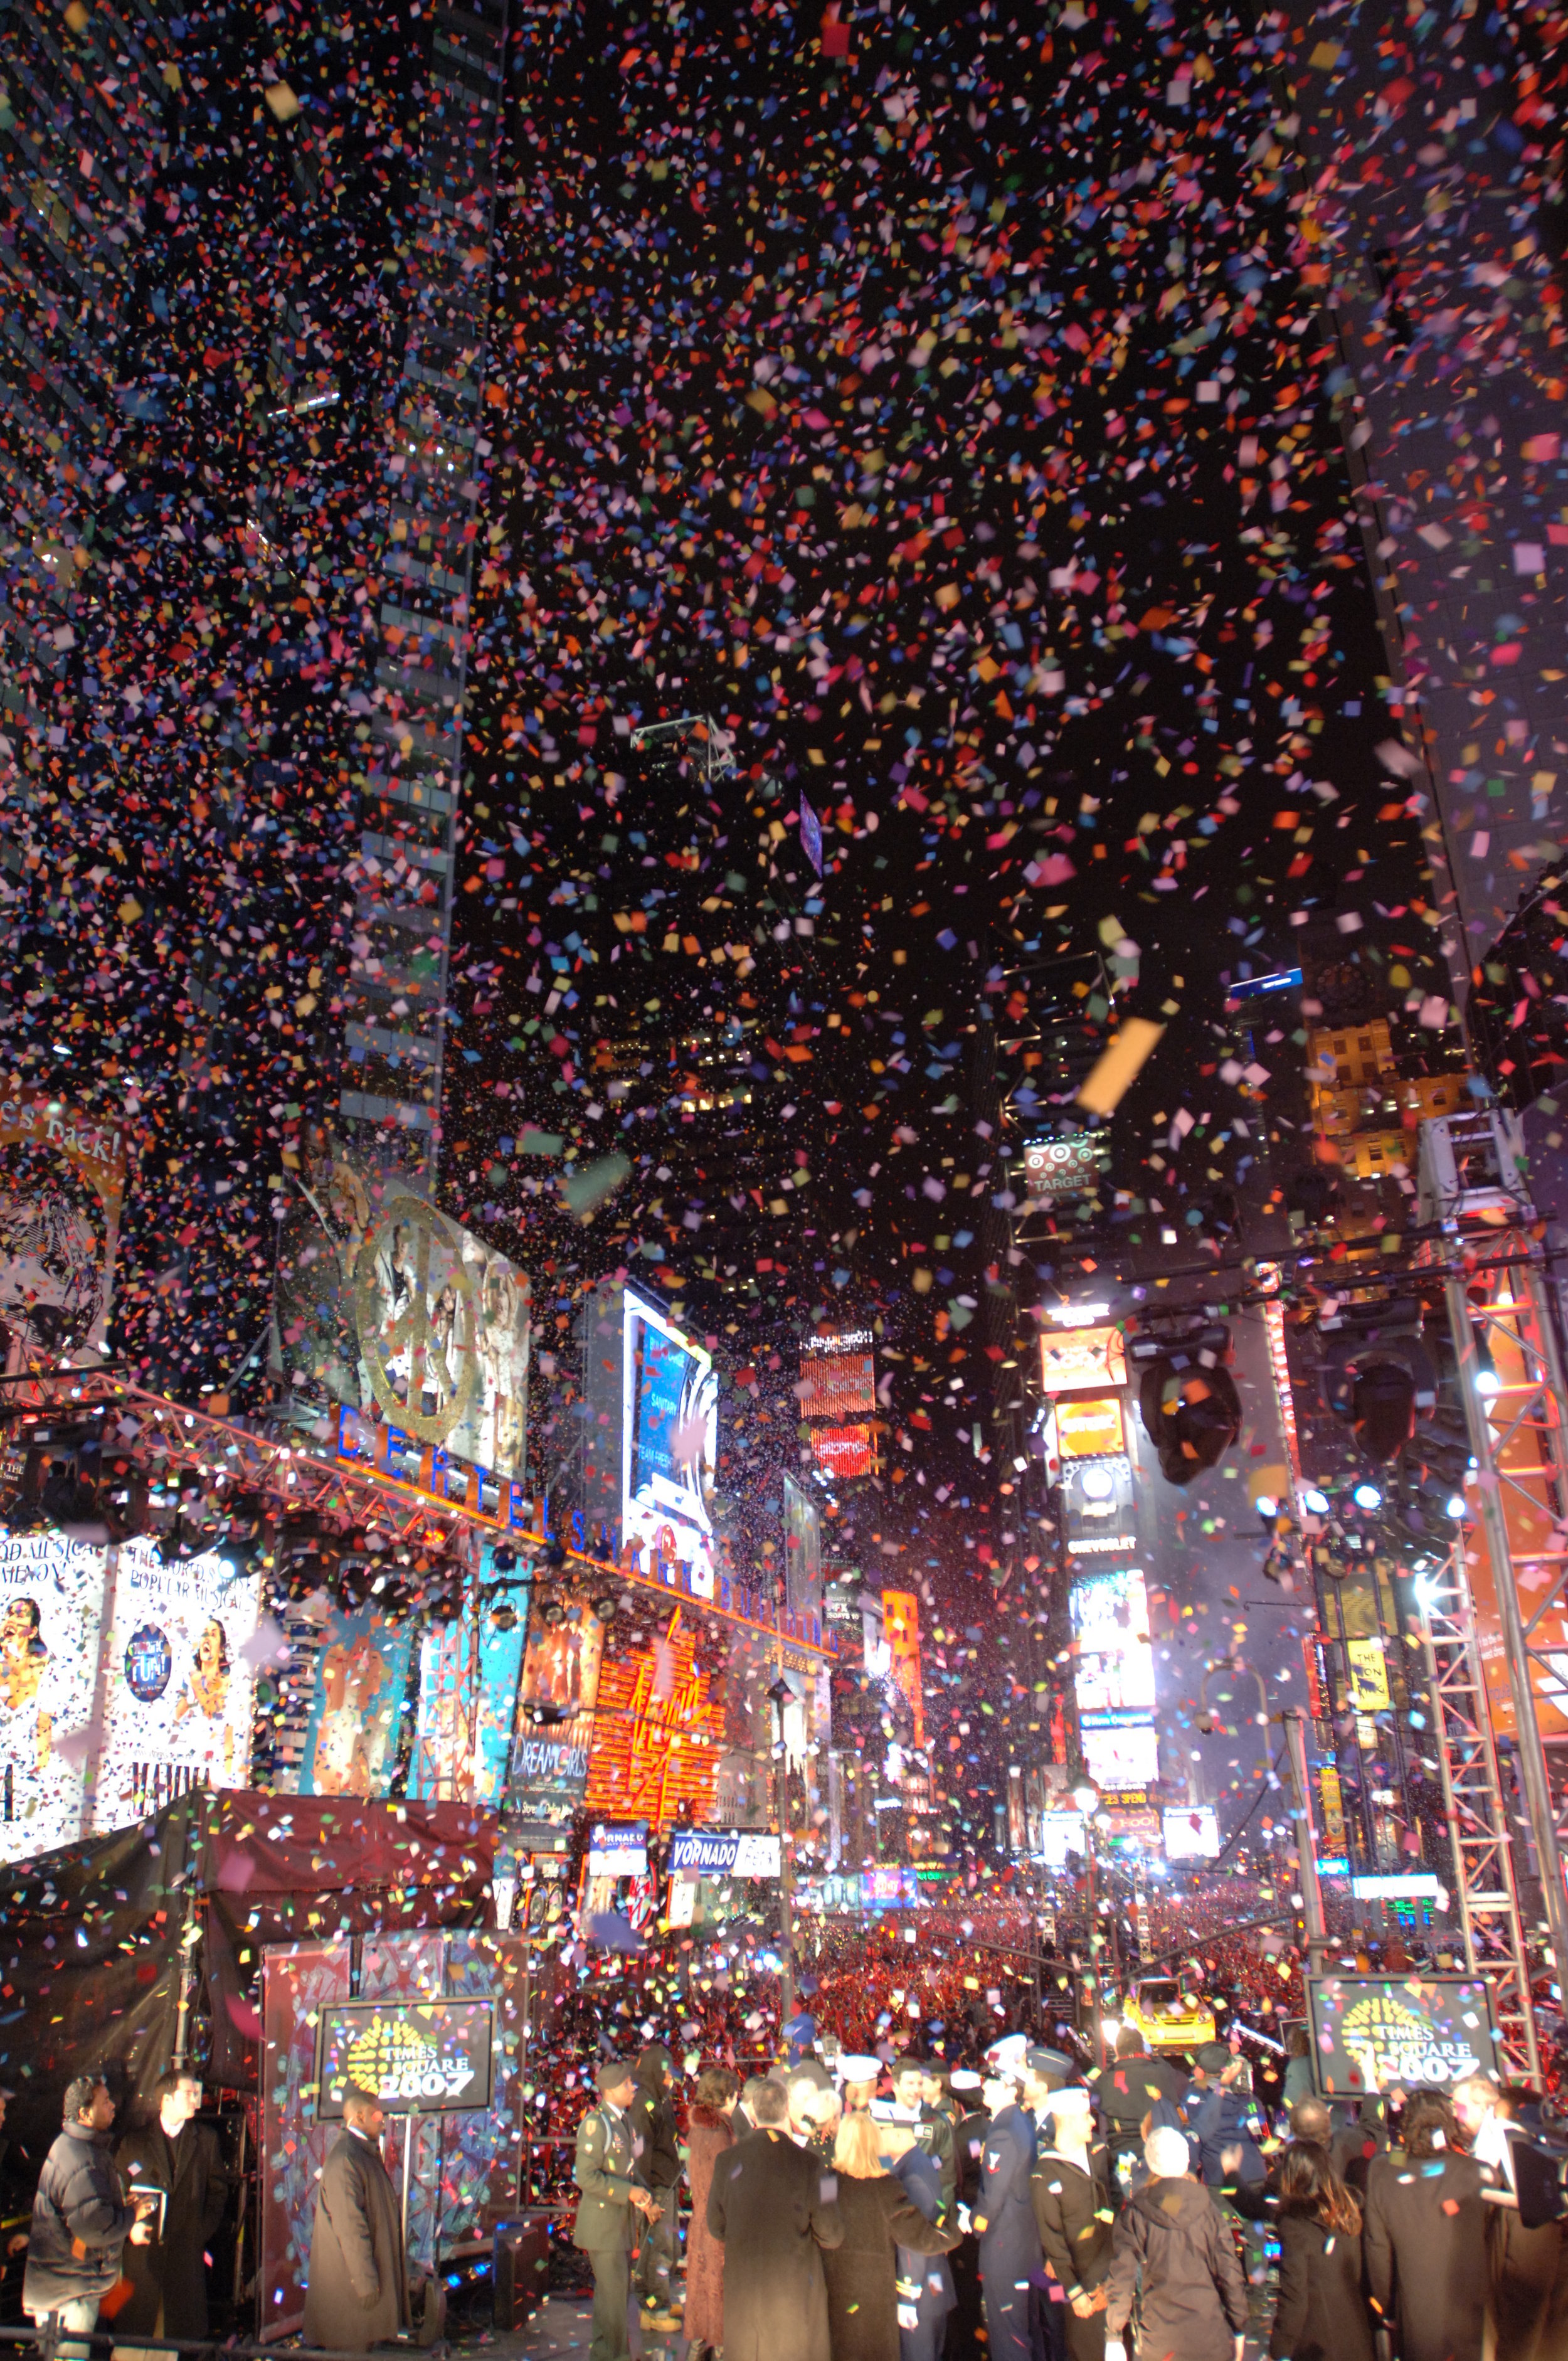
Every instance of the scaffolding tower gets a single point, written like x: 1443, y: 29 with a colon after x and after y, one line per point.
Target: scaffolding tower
x: 1482, y: 1235
x: 1485, y: 1897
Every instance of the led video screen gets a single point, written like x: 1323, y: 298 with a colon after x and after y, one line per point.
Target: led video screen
x: 1371, y: 2032
x: 1110, y: 1632
x: 669, y: 1442
x: 1192, y: 1834
x: 1123, y: 1756
x: 417, y: 2060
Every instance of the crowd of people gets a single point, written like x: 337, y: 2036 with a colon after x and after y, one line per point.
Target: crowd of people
x: 976, y: 2177
x: 866, y: 2211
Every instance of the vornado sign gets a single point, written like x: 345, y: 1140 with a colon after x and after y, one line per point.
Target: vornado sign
x: 723, y: 1853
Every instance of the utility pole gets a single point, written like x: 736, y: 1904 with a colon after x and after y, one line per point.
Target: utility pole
x: 1312, y: 1919
x: 779, y: 1696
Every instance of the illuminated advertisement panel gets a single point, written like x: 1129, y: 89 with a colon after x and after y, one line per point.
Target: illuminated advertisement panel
x: 803, y: 1550
x: 658, y: 1735
x: 1083, y: 1360
x: 351, y: 1737
x: 838, y: 1378
x: 669, y: 1445
x: 1121, y: 1755
x: 1192, y: 1834
x: 405, y: 1316
x: 1091, y: 1429
x: 1098, y: 1506
x: 1110, y: 1634
x: 62, y: 1184
x: 844, y: 1451
x: 557, y: 1695
x: 178, y: 1682
x: 468, y: 1680
x: 51, y: 1620
x: 900, y: 1629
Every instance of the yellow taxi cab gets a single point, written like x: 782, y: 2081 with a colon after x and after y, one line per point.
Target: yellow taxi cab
x: 1166, y: 2017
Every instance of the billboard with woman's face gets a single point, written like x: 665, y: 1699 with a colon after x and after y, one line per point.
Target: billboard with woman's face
x: 179, y: 1684
x: 52, y: 1616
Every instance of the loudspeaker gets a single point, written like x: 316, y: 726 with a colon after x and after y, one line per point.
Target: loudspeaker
x: 521, y: 2261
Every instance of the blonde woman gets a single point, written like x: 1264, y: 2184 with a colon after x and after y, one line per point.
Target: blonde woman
x: 879, y: 2217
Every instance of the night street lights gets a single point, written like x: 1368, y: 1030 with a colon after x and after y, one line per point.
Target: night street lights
x: 1086, y: 1795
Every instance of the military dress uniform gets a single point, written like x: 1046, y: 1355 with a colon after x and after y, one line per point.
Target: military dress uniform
x: 605, y: 2227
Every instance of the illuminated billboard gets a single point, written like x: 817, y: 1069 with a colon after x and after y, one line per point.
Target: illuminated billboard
x: 468, y: 1682
x: 1191, y: 1833
x: 844, y: 1451
x: 669, y: 1445
x: 658, y: 1734
x: 178, y: 1683
x: 1055, y: 1170
x: 557, y: 1696
x: 406, y: 1317
x: 351, y: 1735
x: 1098, y: 1509
x: 1123, y: 1756
x: 1091, y: 1429
x: 51, y: 1620
x: 900, y: 1629
x: 803, y: 1550
x: 1083, y: 1360
x: 62, y: 1184
x: 1111, y: 1636
x: 838, y: 1378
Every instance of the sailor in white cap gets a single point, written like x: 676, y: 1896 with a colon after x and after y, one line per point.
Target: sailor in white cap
x: 1071, y: 2213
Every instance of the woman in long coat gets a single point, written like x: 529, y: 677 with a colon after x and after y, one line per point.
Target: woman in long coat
x: 1321, y: 2311
x: 879, y: 2217
x: 1424, y: 2238
x: 708, y: 2133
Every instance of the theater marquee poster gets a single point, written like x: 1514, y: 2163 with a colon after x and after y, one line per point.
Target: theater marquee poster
x: 179, y: 1686
x: 51, y: 1620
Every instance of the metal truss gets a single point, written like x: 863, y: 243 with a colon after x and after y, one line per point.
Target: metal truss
x: 1510, y: 1380
x: 234, y: 1462
x: 1485, y: 1892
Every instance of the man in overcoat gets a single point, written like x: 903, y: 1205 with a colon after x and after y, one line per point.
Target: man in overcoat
x: 357, y: 2293
x: 772, y: 2205
x: 180, y: 2161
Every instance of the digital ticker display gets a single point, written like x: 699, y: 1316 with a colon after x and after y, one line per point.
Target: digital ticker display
x: 418, y: 2059
x: 1370, y: 2033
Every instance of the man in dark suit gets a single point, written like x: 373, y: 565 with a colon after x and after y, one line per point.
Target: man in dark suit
x: 1011, y: 2257
x: 772, y: 2207
x: 933, y: 2129
x: 604, y: 2172
x: 180, y: 2160
x: 358, y: 2290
